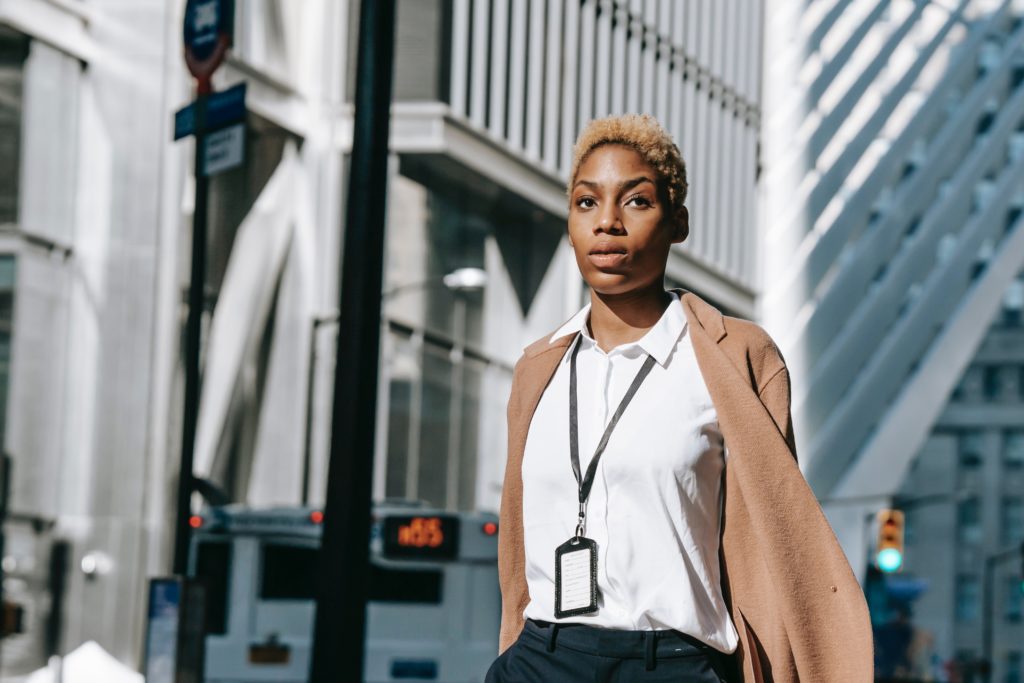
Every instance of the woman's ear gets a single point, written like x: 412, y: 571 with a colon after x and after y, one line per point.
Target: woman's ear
x: 682, y: 226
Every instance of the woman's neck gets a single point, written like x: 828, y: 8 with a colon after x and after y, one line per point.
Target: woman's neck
x: 623, y: 318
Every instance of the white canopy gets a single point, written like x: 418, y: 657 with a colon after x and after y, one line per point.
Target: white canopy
x: 89, y: 663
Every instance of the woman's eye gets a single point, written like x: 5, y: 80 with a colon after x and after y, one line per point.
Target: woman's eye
x: 642, y: 201
x: 585, y: 202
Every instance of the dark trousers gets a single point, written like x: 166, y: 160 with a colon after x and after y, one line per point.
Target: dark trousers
x: 566, y: 653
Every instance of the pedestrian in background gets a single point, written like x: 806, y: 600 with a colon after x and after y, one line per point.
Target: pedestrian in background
x: 655, y: 525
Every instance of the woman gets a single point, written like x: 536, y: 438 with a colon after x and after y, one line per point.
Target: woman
x: 654, y: 523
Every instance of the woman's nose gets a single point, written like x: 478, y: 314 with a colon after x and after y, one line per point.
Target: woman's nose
x: 609, y: 221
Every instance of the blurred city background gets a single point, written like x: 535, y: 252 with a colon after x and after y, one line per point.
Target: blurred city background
x: 857, y: 180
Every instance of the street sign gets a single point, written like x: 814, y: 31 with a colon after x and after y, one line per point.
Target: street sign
x: 224, y: 149
x: 222, y: 109
x: 208, y: 29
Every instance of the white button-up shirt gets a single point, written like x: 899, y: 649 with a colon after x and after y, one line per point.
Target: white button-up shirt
x: 655, y: 506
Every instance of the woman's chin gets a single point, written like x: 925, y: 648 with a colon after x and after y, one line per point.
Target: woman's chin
x: 614, y: 284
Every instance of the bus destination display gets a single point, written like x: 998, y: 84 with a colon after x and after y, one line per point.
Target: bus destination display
x: 415, y: 537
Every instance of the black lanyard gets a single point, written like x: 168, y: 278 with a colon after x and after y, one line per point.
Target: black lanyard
x: 586, y: 483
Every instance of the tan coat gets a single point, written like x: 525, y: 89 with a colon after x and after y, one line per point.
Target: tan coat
x: 797, y: 606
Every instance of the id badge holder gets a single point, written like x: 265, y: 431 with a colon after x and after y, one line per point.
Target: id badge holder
x: 575, y: 577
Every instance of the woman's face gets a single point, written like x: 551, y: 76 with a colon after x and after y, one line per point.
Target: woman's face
x: 620, y: 225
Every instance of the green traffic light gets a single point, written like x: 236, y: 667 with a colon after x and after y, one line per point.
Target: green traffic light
x: 890, y: 560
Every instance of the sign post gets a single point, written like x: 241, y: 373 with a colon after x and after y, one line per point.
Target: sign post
x: 207, y: 37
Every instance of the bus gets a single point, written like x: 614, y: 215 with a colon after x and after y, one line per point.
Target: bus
x: 434, y: 607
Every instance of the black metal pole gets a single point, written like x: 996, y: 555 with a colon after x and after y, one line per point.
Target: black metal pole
x: 307, y: 447
x: 987, y: 611
x: 340, y: 630
x: 197, y: 286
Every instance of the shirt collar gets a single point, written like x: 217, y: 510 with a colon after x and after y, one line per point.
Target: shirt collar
x: 659, y: 340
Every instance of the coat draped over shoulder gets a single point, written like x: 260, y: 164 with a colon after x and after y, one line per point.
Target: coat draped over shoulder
x: 798, y: 608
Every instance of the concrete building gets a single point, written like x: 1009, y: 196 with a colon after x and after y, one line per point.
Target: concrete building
x: 96, y: 209
x: 971, y: 472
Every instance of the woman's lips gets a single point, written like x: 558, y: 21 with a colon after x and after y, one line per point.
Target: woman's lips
x: 606, y: 258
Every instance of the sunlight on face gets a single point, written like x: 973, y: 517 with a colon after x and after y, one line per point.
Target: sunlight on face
x: 619, y: 225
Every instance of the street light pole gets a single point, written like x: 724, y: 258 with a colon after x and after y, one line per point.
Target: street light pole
x: 339, y: 635
x: 987, y: 610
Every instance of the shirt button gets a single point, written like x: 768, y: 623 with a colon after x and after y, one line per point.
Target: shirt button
x: 833, y: 589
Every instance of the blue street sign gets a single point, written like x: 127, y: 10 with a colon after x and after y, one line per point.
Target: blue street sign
x: 222, y: 109
x: 205, y: 22
x: 185, y: 121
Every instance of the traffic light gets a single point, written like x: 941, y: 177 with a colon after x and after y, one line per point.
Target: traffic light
x: 889, y: 550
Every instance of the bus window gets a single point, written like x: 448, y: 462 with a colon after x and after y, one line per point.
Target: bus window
x: 289, y: 572
x: 405, y: 585
x: 213, y: 564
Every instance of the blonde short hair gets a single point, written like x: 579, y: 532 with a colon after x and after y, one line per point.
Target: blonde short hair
x: 643, y: 133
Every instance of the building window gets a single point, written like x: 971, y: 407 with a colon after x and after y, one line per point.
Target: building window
x: 1013, y: 667
x: 435, y: 409
x: 13, y: 51
x: 1013, y: 448
x: 6, y: 325
x: 1013, y: 302
x: 966, y: 598
x: 970, y: 446
x: 1014, y: 603
x: 958, y: 391
x: 443, y: 385
x: 1012, y: 520
x: 992, y: 382
x: 969, y: 521
x: 968, y: 388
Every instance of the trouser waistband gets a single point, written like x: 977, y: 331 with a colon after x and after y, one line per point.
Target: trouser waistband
x: 647, y: 645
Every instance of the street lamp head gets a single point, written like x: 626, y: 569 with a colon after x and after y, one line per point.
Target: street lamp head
x: 466, y: 279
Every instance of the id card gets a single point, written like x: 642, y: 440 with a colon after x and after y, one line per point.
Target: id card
x: 575, y: 577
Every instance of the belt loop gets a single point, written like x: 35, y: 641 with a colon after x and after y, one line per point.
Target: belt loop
x: 552, y: 632
x: 650, y: 643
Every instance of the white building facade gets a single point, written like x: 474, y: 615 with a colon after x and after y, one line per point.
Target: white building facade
x: 94, y: 255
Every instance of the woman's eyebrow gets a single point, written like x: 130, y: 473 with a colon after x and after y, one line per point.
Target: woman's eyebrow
x: 624, y: 185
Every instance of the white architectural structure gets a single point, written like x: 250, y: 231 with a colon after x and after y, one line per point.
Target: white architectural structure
x: 892, y: 193
x: 96, y: 203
